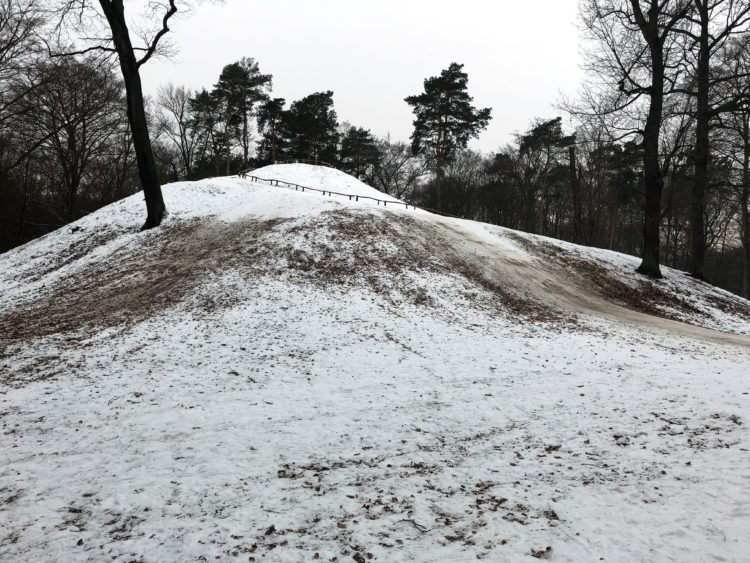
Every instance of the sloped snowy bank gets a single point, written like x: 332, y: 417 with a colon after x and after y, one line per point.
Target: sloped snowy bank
x: 281, y: 376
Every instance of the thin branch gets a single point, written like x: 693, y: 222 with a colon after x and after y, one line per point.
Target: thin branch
x: 151, y: 49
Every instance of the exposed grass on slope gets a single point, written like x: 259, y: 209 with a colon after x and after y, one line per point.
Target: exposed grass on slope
x: 381, y: 252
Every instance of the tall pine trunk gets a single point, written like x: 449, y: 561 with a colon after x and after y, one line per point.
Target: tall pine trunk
x: 114, y: 11
x: 245, y: 142
x: 439, y: 168
x: 273, y: 141
x: 227, y: 147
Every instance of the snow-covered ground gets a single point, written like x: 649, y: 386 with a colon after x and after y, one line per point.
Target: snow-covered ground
x: 320, y: 178
x: 278, y: 376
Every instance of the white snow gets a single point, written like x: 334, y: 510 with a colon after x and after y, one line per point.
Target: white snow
x: 229, y: 199
x: 320, y: 178
x: 297, y: 402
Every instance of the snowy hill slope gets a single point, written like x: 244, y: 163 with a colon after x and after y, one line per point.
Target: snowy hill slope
x: 275, y: 374
x: 319, y: 178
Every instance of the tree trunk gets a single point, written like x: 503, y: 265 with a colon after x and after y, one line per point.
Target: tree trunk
x: 612, y: 230
x: 746, y: 238
x: 226, y: 146
x: 654, y: 182
x: 701, y: 156
x: 25, y: 203
x: 273, y: 141
x: 542, y: 209
x: 439, y: 169
x: 744, y: 202
x: 184, y: 147
x: 72, y: 197
x: 115, y: 14
x: 245, y: 143
x: 575, y: 186
x: 530, y: 211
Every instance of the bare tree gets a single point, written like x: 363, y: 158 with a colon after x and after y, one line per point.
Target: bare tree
x: 76, y: 113
x: 636, y: 49
x: 714, y: 23
x: 737, y: 124
x: 19, y: 21
x: 397, y: 172
x: 173, y: 120
x: 742, y: 123
x: 19, y: 50
x: 101, y: 26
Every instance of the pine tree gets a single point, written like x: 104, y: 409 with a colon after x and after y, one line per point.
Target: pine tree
x: 313, y: 128
x: 359, y: 151
x: 445, y: 120
x: 543, y: 148
x: 241, y: 86
x: 205, y: 120
x: 271, y: 124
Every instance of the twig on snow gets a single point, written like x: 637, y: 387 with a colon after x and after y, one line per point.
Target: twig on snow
x: 416, y: 525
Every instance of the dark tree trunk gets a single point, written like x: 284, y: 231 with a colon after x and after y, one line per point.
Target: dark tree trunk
x: 541, y: 217
x: 25, y: 202
x: 701, y: 155
x: 746, y: 237
x: 744, y: 202
x: 72, y: 198
x: 245, y: 142
x: 654, y: 186
x: 575, y: 186
x: 439, y: 184
x: 612, y: 230
x: 530, y: 206
x: 439, y: 169
x: 654, y: 182
x: 228, y: 157
x: 273, y: 141
x: 115, y: 14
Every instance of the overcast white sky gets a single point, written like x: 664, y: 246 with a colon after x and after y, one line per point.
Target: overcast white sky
x: 372, y: 53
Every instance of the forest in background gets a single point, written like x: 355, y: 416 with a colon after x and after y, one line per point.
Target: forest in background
x: 664, y: 122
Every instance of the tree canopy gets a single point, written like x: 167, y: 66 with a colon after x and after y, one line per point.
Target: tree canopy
x: 445, y: 119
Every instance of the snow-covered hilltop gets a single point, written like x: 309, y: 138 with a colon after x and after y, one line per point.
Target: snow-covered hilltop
x: 285, y: 376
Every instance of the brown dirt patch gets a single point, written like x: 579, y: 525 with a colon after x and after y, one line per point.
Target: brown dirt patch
x: 732, y: 305
x: 644, y: 296
x: 168, y: 266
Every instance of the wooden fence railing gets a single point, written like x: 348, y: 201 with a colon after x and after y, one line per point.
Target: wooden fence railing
x: 305, y: 161
x: 298, y: 187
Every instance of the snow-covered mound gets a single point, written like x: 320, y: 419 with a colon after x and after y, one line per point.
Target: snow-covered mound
x: 319, y: 178
x: 282, y: 376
